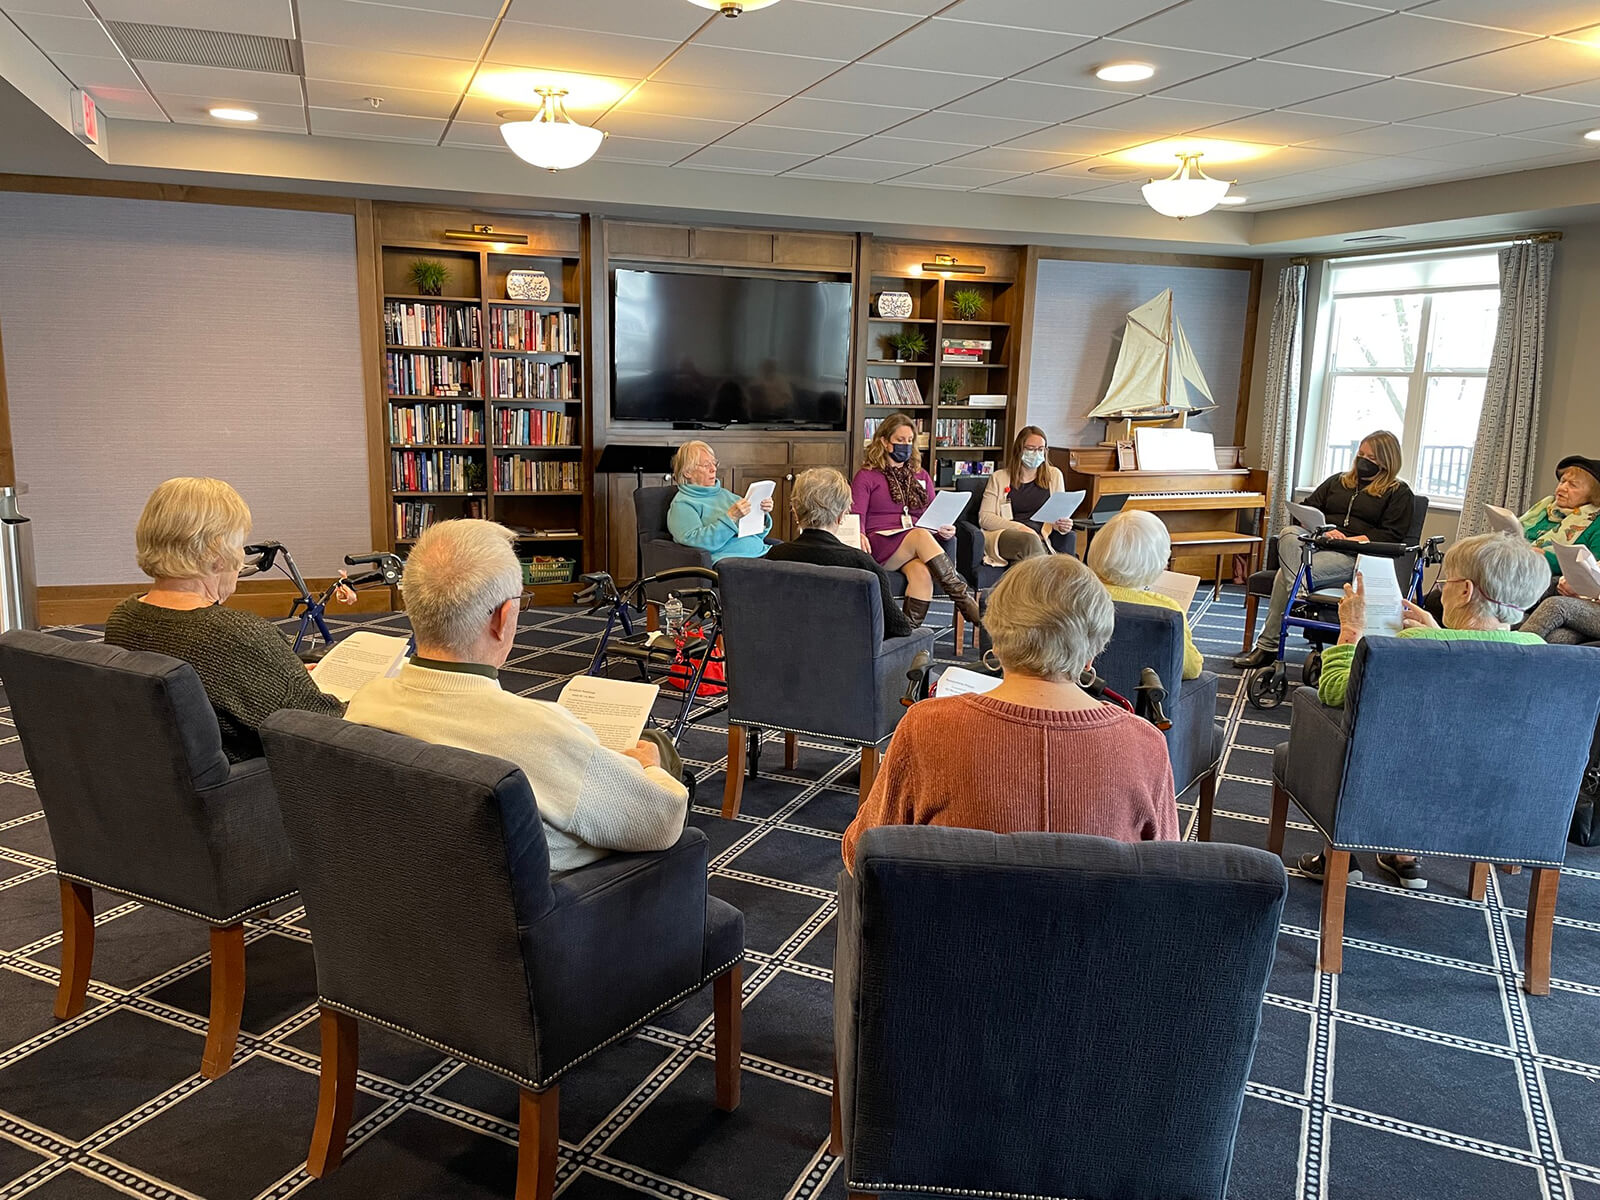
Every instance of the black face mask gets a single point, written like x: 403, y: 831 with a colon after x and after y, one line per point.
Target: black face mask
x: 1366, y: 469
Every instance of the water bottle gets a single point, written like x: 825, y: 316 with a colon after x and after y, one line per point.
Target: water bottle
x: 672, y: 616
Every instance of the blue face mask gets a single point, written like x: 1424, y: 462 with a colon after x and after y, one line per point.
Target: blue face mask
x: 1033, y: 459
x: 901, y: 453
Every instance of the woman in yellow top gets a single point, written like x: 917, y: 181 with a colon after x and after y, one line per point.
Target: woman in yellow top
x: 1129, y: 555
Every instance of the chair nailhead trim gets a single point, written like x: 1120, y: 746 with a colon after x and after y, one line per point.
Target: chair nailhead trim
x: 832, y: 737
x: 1328, y: 837
x: 178, y: 908
x: 858, y: 1186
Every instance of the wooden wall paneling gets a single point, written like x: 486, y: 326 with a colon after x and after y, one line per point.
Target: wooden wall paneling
x: 1248, y: 355
x: 1147, y: 258
x: 731, y: 245
x: 8, y: 462
x: 628, y: 239
x: 91, y: 604
x: 837, y: 251
x: 1022, y: 338
x: 369, y: 303
x: 596, y: 380
x: 424, y: 226
x: 604, y: 514
x: 129, y: 190
x: 860, y: 351
x: 906, y: 258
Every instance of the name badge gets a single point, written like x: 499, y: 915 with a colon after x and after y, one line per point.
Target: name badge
x: 905, y: 518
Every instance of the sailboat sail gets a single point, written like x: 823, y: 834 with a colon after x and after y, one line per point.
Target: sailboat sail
x: 1156, y: 366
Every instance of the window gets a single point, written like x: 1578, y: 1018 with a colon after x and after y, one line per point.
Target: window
x: 1406, y: 346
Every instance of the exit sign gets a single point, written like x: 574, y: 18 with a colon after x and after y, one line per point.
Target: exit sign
x: 85, y: 118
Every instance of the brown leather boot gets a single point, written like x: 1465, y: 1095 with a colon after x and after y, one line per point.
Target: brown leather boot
x: 914, y: 609
x: 950, y: 582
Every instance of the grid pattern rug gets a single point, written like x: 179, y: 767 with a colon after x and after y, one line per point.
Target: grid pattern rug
x: 1422, y: 1071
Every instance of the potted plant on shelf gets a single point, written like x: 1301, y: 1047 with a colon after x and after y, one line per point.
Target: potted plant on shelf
x: 909, y: 346
x: 428, y: 276
x: 949, y: 389
x: 978, y: 432
x: 967, y: 302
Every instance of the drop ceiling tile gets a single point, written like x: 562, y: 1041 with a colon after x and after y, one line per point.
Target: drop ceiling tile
x: 495, y: 89
x: 1528, y: 16
x: 1153, y: 115
x: 704, y: 103
x: 637, y: 18
x: 1012, y: 161
x: 960, y: 178
x: 1372, y: 168
x: 754, y: 70
x: 54, y: 8
x: 764, y: 162
x: 809, y: 28
x: 1392, y: 139
x: 973, y: 49
x: 905, y: 150
x: 1513, y: 114
x: 1395, y: 100
x: 66, y: 35
x: 1500, y: 150
x: 1262, y: 84
x: 1577, y: 93
x: 268, y: 18
x: 519, y: 44
x: 272, y: 118
x: 864, y: 170
x: 1092, y: 18
x: 1254, y: 27
x: 644, y: 150
x: 1286, y: 128
x: 483, y: 135
x: 348, y: 64
x: 1394, y: 168
x: 964, y: 130
x: 1532, y: 66
x: 221, y: 83
x: 1294, y: 160
x: 789, y: 141
x: 392, y: 29
x: 921, y: 8
x: 1173, y: 66
x: 1073, y: 139
x: 88, y: 72
x: 1568, y: 133
x: 653, y: 127
x: 1101, y: 172
x: 902, y: 87
x: 377, y: 126
x: 1043, y: 186
x: 804, y: 112
x: 1400, y: 44
x: 1035, y: 101
x: 405, y: 102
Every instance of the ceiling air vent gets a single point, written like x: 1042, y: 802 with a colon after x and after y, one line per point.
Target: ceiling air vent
x: 1373, y: 237
x: 204, y: 47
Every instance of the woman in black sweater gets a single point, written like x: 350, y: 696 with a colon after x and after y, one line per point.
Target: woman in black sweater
x: 1368, y: 503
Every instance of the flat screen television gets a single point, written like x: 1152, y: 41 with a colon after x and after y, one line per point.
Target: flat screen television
x: 716, y: 350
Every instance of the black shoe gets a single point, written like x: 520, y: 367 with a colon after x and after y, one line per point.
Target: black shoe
x: 1313, y: 867
x: 1259, y: 657
x: 1406, y: 874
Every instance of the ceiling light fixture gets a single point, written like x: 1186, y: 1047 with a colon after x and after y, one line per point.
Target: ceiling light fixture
x: 732, y: 8
x: 1187, y: 192
x: 551, y: 139
x: 1592, y: 136
x: 226, y: 113
x: 946, y: 264
x: 1124, y: 72
x: 485, y: 233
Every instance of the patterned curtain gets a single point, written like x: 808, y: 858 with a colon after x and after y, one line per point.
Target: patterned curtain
x: 1280, y: 419
x: 1502, y: 460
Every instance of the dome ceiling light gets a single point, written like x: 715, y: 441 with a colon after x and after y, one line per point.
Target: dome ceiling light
x: 1187, y: 192
x: 551, y: 139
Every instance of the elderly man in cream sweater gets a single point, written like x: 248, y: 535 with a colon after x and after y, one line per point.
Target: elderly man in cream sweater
x: 463, y: 589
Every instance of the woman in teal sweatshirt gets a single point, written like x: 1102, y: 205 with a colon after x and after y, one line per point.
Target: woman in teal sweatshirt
x: 705, y: 515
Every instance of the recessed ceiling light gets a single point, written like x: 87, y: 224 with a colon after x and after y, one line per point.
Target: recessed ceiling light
x: 1592, y: 136
x: 225, y: 113
x: 1124, y: 72
x: 1234, y: 200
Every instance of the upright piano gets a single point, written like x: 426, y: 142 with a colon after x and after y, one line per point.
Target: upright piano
x: 1212, y: 515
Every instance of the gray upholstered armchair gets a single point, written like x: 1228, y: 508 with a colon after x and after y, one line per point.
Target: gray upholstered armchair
x: 657, y: 551
x: 1431, y: 756
x: 141, y: 801
x: 1147, y: 636
x: 428, y: 892
x: 806, y: 654
x: 1042, y: 1014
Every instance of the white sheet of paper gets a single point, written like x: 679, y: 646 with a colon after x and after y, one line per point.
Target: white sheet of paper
x: 944, y: 510
x: 1178, y: 586
x: 359, y: 659
x: 850, y: 529
x: 755, y: 521
x: 1060, y: 504
x: 1502, y: 520
x: 958, y: 681
x: 1307, y: 517
x: 616, y: 709
x: 1578, y: 568
x: 1385, y: 616
x: 1175, y: 450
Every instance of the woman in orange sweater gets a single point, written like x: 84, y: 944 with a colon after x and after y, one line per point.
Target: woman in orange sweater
x: 1037, y: 753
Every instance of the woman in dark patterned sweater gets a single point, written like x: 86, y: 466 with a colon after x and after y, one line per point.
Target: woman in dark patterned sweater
x: 190, y: 541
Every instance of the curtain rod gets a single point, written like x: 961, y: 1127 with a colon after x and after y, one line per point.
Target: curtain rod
x: 1395, y: 249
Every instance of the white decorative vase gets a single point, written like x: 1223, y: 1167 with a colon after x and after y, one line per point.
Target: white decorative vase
x: 527, y: 285
x: 894, y: 305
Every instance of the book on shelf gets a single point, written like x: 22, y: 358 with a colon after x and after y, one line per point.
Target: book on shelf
x: 422, y: 374
x: 973, y: 466
x: 534, y: 427
x: 963, y: 351
x: 437, y: 471
x: 891, y: 393
x: 871, y: 426
x: 528, y: 331
x: 960, y: 432
x: 529, y: 379
x: 430, y: 323
x: 411, y: 517
x: 513, y: 473
x: 454, y: 424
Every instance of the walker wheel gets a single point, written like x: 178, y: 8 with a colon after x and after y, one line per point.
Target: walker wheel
x: 1267, y: 686
x: 1311, y: 669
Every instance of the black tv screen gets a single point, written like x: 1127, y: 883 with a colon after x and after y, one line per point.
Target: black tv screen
x: 729, y: 349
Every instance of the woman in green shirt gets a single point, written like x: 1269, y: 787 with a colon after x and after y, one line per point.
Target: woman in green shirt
x: 1567, y: 516
x: 1487, y: 583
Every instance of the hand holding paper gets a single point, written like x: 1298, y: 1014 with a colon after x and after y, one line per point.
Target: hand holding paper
x: 944, y: 510
x: 1061, y: 505
x: 1502, y: 520
x: 755, y: 521
x: 1383, y: 609
x: 1579, y: 569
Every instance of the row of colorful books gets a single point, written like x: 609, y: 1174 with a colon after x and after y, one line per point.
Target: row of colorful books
x: 513, y: 473
x: 411, y: 517
x: 963, y: 431
x: 526, y: 378
x: 973, y: 466
x: 534, y: 427
x: 524, y: 329
x: 871, y: 425
x: 433, y: 375
x: 437, y: 471
x: 410, y: 323
x: 455, y: 424
x: 890, y: 392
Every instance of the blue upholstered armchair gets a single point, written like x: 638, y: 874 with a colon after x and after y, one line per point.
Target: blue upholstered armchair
x: 428, y: 892
x: 1147, y: 636
x: 1431, y: 755
x: 1022, y: 1014
x: 806, y: 654
x: 141, y: 801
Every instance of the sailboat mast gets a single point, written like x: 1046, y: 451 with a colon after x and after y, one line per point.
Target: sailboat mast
x: 1166, y: 364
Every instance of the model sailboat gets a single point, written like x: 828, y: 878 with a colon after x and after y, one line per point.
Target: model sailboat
x: 1157, y: 382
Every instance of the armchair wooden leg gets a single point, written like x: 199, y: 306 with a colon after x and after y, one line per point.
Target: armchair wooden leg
x: 538, y: 1135
x: 728, y: 998
x: 1336, y: 864
x: 1478, y: 881
x: 652, y: 618
x: 77, y: 947
x: 733, y: 780
x: 227, y: 1000
x: 836, y: 1118
x: 869, y: 768
x: 791, y: 750
x: 1208, y: 804
x: 1540, y: 926
x: 960, y: 631
x: 1278, y: 821
x: 1249, y: 623
x: 336, y: 1092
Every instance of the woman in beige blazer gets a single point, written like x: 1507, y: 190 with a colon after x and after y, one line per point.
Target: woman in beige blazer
x: 1013, y: 495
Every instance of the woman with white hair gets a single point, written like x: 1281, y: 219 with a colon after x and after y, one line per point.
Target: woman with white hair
x: 1038, y: 752
x: 1129, y: 555
x: 190, y: 541
x: 1486, y: 584
x: 706, y: 515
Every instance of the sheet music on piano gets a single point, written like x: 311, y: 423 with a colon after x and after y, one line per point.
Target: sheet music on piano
x: 1175, y: 450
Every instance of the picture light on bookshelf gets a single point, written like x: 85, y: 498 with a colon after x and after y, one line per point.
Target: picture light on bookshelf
x: 946, y: 264
x: 485, y: 233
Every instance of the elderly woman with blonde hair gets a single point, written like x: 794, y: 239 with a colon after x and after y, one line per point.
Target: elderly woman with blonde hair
x: 706, y: 515
x: 190, y: 541
x: 1129, y: 555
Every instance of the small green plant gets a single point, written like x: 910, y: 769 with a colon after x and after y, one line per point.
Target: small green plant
x: 967, y: 302
x: 979, y: 432
x: 428, y: 276
x: 949, y: 389
x: 909, y: 346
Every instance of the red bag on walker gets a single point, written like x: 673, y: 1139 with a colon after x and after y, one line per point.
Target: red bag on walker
x: 713, y: 681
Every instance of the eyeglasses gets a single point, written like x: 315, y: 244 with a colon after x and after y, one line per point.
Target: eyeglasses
x: 525, y: 600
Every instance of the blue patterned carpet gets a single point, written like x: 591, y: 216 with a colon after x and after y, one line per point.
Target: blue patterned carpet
x: 1421, y: 1071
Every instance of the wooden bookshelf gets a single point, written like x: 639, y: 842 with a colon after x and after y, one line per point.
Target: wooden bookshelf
x: 515, y: 361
